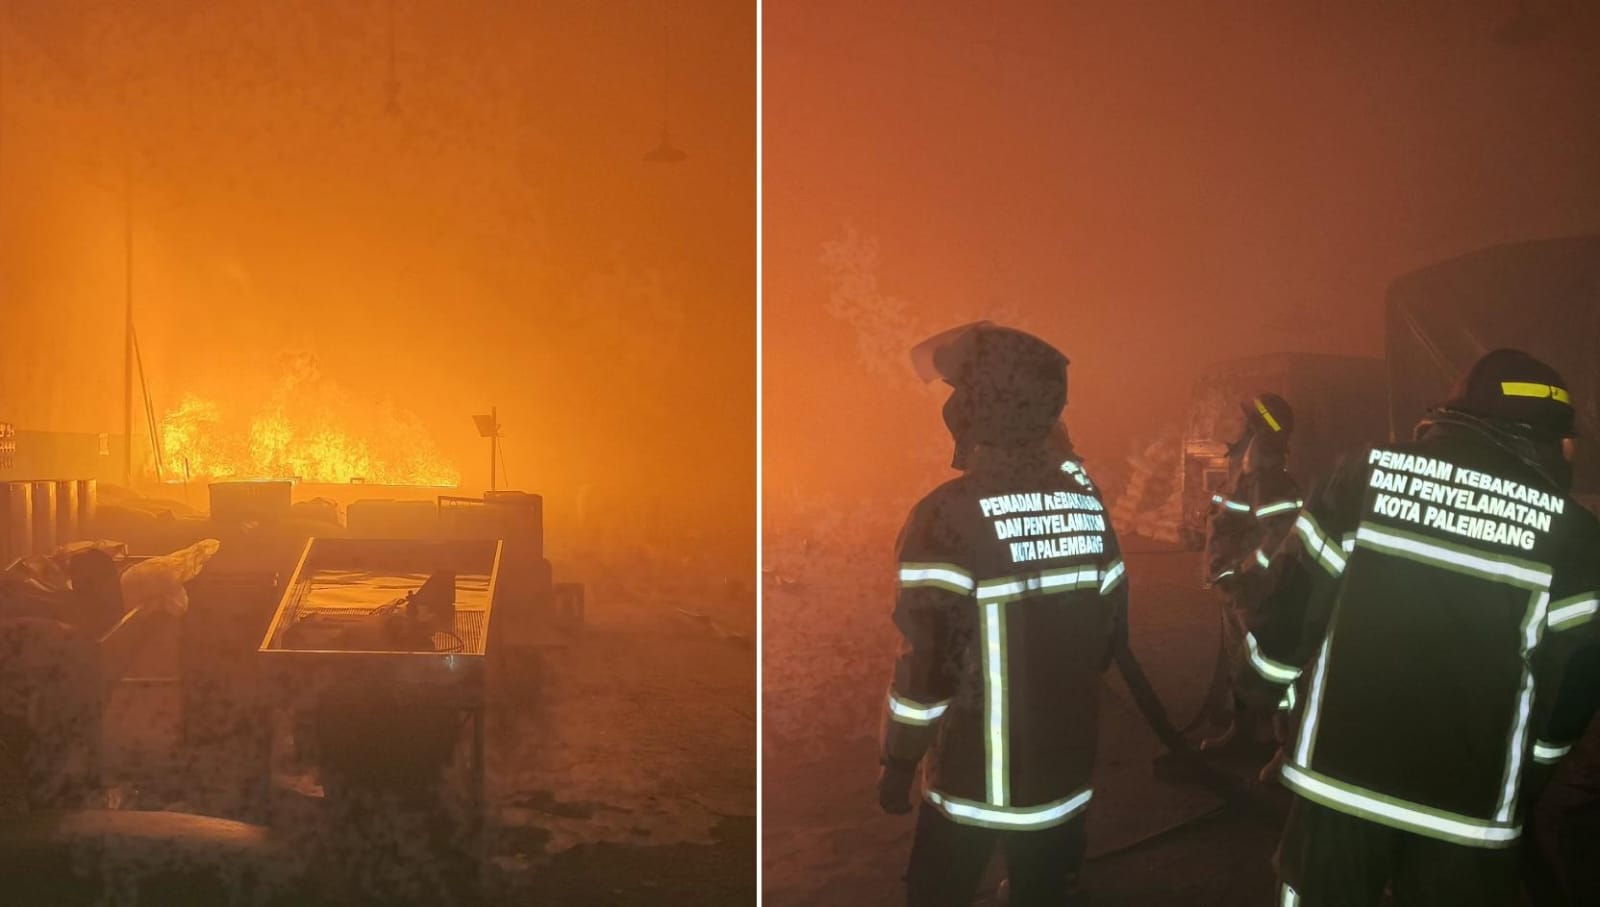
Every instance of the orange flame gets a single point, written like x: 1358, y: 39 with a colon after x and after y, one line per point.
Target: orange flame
x: 307, y: 429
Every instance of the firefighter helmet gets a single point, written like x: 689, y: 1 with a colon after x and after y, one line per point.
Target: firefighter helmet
x: 1009, y: 386
x: 1513, y: 386
x: 1269, y: 416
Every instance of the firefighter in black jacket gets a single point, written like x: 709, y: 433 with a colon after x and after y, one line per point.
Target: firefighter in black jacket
x: 1248, y: 524
x: 1560, y: 848
x: 1011, y: 596
x: 1432, y: 594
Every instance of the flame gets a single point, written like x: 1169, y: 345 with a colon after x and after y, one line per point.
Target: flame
x: 308, y: 429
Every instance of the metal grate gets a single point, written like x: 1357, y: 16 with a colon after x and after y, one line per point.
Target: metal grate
x: 471, y: 624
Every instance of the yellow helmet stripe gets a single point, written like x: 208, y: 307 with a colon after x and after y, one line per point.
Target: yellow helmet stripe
x: 1271, y: 422
x: 1536, y: 390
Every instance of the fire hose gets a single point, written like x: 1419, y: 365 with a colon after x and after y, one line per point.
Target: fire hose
x: 1181, y: 762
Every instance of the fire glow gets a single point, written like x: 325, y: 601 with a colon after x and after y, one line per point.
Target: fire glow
x: 308, y: 429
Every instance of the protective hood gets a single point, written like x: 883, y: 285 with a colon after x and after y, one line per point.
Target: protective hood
x: 1009, y: 387
x: 1535, y: 449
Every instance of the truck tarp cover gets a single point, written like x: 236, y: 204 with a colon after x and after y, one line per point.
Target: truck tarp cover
x: 1542, y: 297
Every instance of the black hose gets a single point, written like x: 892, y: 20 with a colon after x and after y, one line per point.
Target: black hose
x: 1181, y: 753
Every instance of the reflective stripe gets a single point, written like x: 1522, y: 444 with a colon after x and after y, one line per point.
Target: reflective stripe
x: 939, y: 576
x: 1510, y: 571
x: 1287, y: 703
x: 1279, y: 507
x: 1078, y: 475
x: 1223, y: 575
x: 1308, y: 724
x: 1571, y: 612
x: 1064, y: 579
x: 907, y: 711
x: 1231, y: 505
x: 1262, y: 559
x: 1291, y: 898
x: 1113, y: 577
x: 1460, y: 560
x: 1275, y: 671
x: 1536, y: 390
x: 1396, y: 813
x: 1547, y: 753
x: 1267, y: 415
x: 968, y: 812
x: 991, y: 595
x: 1532, y: 630
x: 994, y: 704
x: 1330, y: 556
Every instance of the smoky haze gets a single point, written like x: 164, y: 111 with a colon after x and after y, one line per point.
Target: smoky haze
x: 1151, y: 186
x: 485, y: 233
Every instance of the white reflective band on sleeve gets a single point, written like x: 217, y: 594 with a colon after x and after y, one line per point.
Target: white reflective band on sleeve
x: 1112, y: 577
x: 1277, y: 672
x: 1236, y: 506
x: 1278, y: 507
x: 1571, y: 612
x: 1262, y: 559
x: 1500, y: 569
x: 1547, y: 753
x: 942, y: 576
x: 1291, y: 898
x: 1286, y: 704
x: 1047, y: 815
x: 1330, y: 556
x: 909, y: 711
x: 1396, y: 813
x: 1223, y: 575
x: 1217, y: 499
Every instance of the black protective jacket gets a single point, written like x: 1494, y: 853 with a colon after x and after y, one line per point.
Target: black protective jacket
x: 1246, y: 526
x: 1432, y: 593
x: 1011, y: 595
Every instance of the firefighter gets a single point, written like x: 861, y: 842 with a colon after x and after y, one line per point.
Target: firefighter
x: 1246, y: 525
x: 1432, y: 594
x: 1012, y: 595
x: 1559, y: 859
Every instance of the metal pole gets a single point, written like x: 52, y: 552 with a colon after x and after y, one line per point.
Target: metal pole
x: 127, y: 328
x: 494, y: 436
x: 4, y: 9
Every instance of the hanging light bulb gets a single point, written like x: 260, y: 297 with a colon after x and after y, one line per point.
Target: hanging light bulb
x: 665, y: 152
x: 391, y: 87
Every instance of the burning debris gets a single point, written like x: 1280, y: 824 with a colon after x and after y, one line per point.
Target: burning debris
x: 309, y: 428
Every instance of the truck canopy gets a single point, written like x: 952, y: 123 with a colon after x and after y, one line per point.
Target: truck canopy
x: 1542, y: 297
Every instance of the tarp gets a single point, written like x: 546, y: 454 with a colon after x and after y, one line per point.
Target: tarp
x: 1542, y: 297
